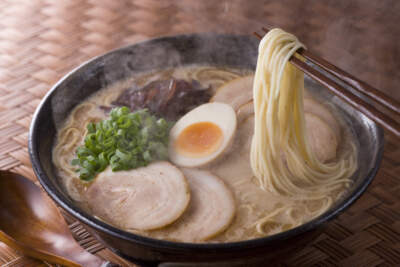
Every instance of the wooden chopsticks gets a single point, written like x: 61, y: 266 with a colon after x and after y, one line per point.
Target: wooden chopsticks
x: 368, y: 109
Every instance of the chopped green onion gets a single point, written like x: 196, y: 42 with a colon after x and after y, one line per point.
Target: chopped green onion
x: 124, y: 141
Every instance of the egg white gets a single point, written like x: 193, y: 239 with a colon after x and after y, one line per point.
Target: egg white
x: 221, y: 115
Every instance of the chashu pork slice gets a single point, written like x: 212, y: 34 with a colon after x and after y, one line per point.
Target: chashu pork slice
x: 236, y: 92
x: 244, y: 111
x: 321, y: 138
x: 314, y: 107
x: 211, y: 209
x: 145, y: 198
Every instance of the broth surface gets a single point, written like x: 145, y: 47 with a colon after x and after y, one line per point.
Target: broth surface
x: 253, y: 204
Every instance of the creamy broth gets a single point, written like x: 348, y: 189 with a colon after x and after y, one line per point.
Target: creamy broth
x: 258, y: 212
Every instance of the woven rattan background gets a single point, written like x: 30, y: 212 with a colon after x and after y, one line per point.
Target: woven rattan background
x: 41, y: 40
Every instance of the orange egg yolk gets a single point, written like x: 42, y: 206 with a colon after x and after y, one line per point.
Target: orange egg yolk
x: 199, y: 139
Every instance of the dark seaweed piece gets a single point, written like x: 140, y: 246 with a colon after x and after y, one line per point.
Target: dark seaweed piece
x: 169, y: 99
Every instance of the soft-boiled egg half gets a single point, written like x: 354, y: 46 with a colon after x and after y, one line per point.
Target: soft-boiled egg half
x: 202, y: 135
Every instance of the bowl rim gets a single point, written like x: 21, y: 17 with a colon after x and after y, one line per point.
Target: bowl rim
x: 101, y: 226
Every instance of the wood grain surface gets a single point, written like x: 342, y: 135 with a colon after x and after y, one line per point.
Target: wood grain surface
x: 41, y: 40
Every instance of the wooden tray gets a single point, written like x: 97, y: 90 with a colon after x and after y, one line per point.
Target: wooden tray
x: 41, y: 40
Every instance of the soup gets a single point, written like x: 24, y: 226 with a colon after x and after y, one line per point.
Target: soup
x: 224, y: 201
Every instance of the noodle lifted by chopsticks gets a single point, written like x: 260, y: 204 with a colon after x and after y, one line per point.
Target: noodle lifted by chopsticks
x: 281, y: 157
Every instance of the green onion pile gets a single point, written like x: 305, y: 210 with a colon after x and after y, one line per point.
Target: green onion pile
x: 126, y: 140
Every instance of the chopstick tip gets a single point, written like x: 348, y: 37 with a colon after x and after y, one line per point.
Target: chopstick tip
x: 265, y: 29
x: 257, y: 35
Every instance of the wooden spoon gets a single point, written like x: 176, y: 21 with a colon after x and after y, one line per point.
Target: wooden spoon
x: 32, y: 224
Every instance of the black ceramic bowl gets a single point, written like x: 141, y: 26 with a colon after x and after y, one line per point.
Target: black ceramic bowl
x: 207, y: 49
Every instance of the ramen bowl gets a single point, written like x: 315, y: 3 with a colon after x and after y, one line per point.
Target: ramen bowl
x: 232, y: 51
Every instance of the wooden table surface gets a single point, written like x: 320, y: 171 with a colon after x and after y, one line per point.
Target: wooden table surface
x: 41, y: 40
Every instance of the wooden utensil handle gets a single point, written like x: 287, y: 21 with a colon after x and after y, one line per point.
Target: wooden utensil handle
x: 80, y: 258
